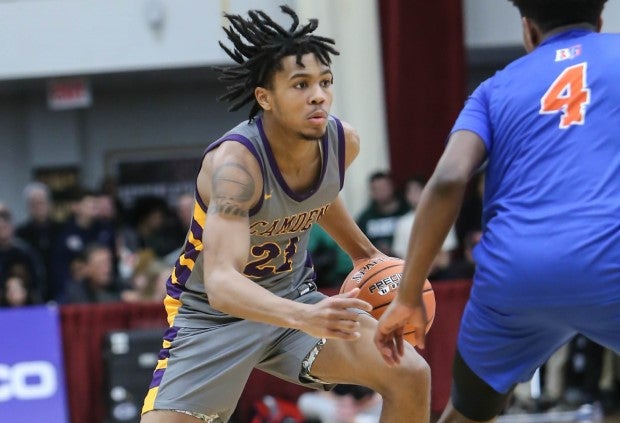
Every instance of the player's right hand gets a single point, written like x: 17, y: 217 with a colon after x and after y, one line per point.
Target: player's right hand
x: 336, y: 317
x: 389, y: 334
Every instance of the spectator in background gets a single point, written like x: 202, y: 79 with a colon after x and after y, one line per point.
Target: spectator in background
x: 98, y: 283
x: 464, y: 267
x: 106, y: 208
x: 330, y: 261
x: 108, y: 190
x: 41, y: 231
x: 180, y: 221
x: 148, y: 281
x: 148, y: 226
x: 16, y: 292
x: 183, y: 212
x: 81, y: 229
x: 378, y: 220
x: 413, y: 190
x: 17, y: 257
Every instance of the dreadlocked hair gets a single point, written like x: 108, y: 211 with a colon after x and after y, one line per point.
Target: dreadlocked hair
x: 259, y: 44
x: 551, y: 14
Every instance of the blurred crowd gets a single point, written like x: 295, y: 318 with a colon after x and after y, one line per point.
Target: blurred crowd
x: 92, y: 249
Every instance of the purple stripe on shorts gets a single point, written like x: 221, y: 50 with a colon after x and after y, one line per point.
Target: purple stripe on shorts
x: 157, y: 376
x: 169, y: 336
x: 171, y: 333
x: 163, y: 353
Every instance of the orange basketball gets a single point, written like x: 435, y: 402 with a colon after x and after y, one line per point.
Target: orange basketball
x: 378, y: 280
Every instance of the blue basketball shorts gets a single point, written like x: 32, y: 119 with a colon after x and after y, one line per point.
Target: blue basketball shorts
x: 504, y: 345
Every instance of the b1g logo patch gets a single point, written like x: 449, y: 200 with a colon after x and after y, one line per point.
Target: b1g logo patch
x: 567, y: 53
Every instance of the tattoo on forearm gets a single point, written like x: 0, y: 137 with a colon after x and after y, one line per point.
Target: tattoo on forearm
x: 232, y: 189
x: 228, y: 209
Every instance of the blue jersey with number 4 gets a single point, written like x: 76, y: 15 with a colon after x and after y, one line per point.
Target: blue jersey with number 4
x: 550, y: 122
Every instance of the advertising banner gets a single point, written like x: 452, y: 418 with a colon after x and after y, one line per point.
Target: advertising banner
x: 32, y: 385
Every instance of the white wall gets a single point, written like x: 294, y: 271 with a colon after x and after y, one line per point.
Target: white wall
x: 496, y: 23
x: 41, y: 38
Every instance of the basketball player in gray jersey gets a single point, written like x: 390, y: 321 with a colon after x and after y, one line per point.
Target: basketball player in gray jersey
x: 242, y: 293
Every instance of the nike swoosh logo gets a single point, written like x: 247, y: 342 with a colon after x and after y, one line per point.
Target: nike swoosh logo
x: 267, y: 196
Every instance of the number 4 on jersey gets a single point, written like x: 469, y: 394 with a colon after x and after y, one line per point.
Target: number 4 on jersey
x: 569, y: 95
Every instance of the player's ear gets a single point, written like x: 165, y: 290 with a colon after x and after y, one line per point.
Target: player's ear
x: 531, y: 36
x: 263, y: 97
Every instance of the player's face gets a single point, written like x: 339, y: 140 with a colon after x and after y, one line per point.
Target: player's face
x: 301, y: 96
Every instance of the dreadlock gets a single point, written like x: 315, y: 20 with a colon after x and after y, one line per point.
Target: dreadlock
x: 550, y: 14
x: 258, y: 54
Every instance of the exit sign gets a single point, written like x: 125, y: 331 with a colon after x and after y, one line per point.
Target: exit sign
x: 68, y: 93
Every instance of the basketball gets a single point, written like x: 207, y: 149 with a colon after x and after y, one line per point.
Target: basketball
x: 378, y: 280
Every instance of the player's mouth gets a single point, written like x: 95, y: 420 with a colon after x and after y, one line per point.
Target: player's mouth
x: 318, y: 117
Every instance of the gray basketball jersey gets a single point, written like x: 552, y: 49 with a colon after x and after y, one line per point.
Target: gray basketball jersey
x: 280, y: 224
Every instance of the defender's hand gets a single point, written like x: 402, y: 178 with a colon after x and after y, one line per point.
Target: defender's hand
x: 389, y: 335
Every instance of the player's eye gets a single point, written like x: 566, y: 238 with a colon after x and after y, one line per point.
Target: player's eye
x: 326, y: 83
x: 301, y: 85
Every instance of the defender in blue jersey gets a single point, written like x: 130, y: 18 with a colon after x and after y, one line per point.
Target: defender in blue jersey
x: 548, y: 263
x: 242, y: 294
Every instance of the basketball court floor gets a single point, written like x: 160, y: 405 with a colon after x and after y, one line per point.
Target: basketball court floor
x: 585, y: 414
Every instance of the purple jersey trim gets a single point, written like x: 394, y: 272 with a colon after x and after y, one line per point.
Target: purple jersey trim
x: 341, y: 150
x: 196, y: 230
x: 248, y: 144
x: 201, y: 203
x: 173, y: 289
x: 276, y: 170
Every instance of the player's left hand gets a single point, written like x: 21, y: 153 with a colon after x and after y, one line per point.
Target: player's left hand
x: 389, y: 334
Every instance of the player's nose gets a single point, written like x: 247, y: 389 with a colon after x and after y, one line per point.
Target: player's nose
x: 317, y: 95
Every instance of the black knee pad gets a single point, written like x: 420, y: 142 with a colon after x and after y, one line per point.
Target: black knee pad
x: 472, y: 396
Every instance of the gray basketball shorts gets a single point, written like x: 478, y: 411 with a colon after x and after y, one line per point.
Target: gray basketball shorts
x: 207, y: 369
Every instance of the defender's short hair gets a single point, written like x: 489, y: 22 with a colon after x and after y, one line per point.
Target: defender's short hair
x: 550, y: 14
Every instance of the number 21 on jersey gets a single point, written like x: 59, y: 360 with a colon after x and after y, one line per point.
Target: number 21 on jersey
x: 569, y: 95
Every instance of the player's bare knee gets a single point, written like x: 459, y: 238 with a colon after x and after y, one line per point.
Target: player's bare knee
x: 413, y: 373
x: 414, y: 367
